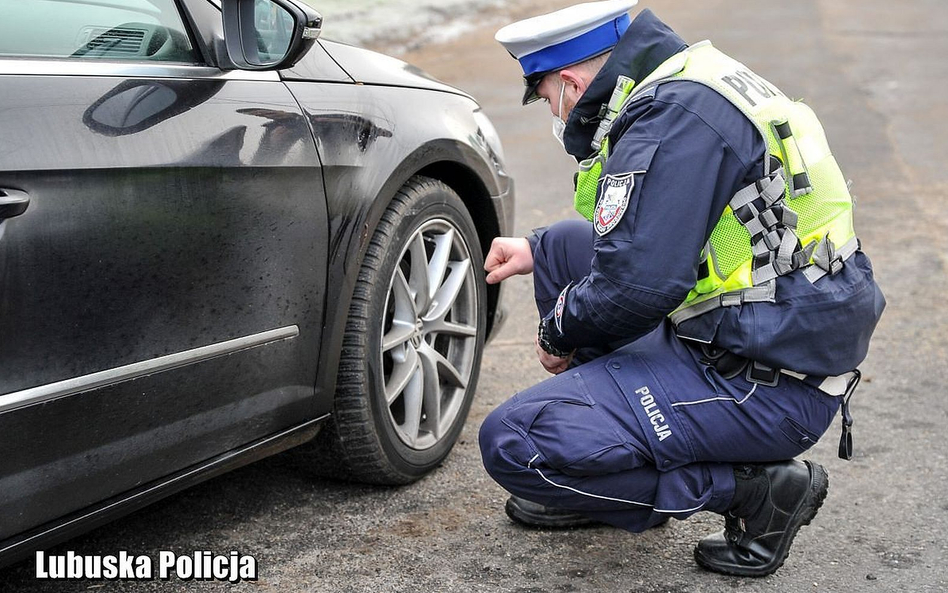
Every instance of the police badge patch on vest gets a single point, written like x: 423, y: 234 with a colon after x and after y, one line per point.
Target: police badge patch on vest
x: 614, y: 194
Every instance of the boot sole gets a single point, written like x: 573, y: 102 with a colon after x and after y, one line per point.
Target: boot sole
x: 804, y: 514
x: 526, y: 518
x: 544, y: 521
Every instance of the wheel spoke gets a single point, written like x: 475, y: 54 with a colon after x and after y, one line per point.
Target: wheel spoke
x: 448, y: 293
x: 399, y: 334
x: 450, y: 328
x: 414, y: 398
x: 403, y: 370
x: 431, y: 358
x: 418, y: 284
x: 405, y: 309
x: 432, y: 387
x: 438, y: 266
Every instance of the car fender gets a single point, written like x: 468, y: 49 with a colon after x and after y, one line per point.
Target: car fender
x: 354, y: 222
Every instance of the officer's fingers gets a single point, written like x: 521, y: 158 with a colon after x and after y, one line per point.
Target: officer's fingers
x: 557, y: 368
x: 541, y: 353
x: 509, y: 249
x: 495, y: 257
x: 501, y: 272
x: 561, y: 365
x: 549, y: 368
x: 495, y: 260
x: 510, y: 260
x: 552, y: 364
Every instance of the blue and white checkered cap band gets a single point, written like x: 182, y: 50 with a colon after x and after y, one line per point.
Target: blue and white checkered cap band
x: 589, y: 44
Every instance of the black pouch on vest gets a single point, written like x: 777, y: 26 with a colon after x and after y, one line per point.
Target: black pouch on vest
x: 726, y: 363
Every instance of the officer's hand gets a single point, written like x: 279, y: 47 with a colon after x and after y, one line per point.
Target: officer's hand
x: 553, y: 364
x: 508, y: 256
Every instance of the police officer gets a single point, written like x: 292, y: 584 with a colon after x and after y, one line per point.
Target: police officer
x: 705, y: 322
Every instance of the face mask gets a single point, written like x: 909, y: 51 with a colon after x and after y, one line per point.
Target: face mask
x: 559, y: 126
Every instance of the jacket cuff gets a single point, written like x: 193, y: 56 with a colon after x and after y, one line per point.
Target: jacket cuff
x: 554, y: 323
x: 534, y: 238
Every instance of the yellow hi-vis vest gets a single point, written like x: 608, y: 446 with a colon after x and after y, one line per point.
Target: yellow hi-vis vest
x: 798, y: 215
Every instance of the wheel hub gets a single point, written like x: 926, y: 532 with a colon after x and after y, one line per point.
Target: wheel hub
x: 417, y: 335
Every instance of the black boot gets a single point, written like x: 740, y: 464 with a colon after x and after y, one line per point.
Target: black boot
x: 532, y: 514
x: 771, y: 502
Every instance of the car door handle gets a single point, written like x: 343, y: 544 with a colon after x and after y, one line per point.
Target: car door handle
x: 13, y: 202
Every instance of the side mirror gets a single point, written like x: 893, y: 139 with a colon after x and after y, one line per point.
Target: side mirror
x: 268, y: 34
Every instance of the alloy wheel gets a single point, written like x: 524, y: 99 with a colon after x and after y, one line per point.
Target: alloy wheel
x: 428, y: 344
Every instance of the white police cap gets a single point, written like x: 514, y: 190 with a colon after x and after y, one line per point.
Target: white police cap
x: 553, y: 41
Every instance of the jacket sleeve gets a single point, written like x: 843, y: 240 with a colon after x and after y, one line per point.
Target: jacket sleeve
x: 675, y: 175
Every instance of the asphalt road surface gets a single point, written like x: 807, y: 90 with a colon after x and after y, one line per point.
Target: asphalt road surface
x: 876, y: 73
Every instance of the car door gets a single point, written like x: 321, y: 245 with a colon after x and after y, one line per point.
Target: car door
x: 162, y: 254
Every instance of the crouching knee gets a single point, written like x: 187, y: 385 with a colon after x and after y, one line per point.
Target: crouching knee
x: 494, y: 439
x: 504, y: 451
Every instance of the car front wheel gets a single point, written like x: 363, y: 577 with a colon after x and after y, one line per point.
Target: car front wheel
x: 413, y: 341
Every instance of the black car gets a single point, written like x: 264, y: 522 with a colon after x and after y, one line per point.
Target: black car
x: 221, y: 238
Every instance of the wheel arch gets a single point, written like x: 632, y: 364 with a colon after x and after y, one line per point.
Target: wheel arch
x: 456, y: 164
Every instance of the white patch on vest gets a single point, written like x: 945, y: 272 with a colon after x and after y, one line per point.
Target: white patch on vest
x: 614, y: 195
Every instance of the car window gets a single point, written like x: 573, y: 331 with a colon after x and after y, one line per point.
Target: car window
x: 149, y: 30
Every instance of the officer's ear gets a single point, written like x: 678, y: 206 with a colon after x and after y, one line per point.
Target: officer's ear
x: 575, y: 83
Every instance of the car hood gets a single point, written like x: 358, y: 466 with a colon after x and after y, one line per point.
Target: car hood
x: 369, y: 67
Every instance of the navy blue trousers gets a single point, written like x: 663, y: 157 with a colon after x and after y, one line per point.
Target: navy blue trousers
x: 643, y: 431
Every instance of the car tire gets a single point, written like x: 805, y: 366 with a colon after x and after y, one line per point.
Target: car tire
x: 413, y: 341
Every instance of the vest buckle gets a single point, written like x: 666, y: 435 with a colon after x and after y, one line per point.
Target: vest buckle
x: 762, y: 374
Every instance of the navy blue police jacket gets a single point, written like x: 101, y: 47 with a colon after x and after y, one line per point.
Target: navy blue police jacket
x: 696, y: 150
